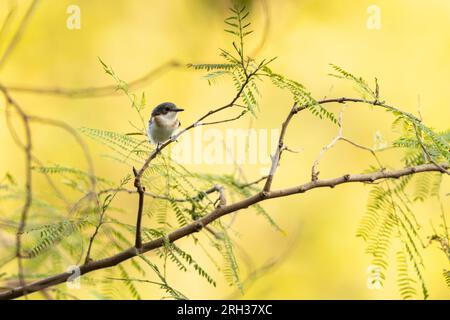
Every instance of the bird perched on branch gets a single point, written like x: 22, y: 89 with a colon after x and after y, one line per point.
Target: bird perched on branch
x: 163, y: 122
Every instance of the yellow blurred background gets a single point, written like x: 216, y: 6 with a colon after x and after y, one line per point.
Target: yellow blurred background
x: 319, y: 257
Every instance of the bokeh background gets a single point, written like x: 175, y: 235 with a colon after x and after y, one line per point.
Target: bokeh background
x: 319, y: 257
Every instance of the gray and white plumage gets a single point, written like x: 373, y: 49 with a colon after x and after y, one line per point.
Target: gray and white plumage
x: 163, y: 122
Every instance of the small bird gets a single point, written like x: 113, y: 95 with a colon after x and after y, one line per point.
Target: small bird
x: 163, y: 122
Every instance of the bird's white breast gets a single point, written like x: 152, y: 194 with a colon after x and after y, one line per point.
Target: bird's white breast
x: 161, y: 128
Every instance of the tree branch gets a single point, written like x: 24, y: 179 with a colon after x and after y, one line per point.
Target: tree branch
x: 28, y: 182
x: 100, y: 91
x: 216, y: 214
x: 314, y: 172
x: 280, y: 147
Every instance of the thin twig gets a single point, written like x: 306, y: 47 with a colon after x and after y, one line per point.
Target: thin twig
x: 314, y: 173
x: 18, y: 35
x: 74, y: 133
x: 7, y: 21
x: 101, y: 91
x: 280, y: 147
x: 249, y: 184
x: 223, y: 121
x: 16, y: 139
x: 157, y: 196
x: 340, y: 137
x: 371, y: 150
x: 88, y: 259
x: 28, y: 182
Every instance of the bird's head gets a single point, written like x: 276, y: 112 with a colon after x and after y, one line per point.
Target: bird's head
x: 166, y: 110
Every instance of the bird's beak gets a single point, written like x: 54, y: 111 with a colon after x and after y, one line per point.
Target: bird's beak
x: 177, y: 109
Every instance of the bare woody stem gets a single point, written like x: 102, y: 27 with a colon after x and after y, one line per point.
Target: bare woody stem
x: 314, y: 172
x: 28, y: 182
x: 100, y: 91
x: 141, y: 192
x: 280, y: 147
x: 195, y: 198
x: 216, y: 214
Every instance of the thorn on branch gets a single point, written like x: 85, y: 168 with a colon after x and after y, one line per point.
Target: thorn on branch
x: 286, y: 148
